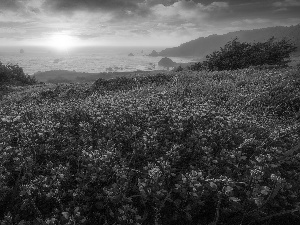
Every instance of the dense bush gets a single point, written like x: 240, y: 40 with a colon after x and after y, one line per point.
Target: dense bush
x: 237, y: 55
x: 128, y: 83
x: 13, y: 74
x: 186, y: 149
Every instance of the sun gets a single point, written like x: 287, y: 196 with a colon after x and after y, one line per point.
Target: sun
x: 62, y: 42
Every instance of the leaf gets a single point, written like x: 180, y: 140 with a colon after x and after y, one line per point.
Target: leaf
x: 177, y: 202
x: 290, y: 152
x: 213, y: 185
x: 188, y: 207
x: 22, y: 222
x: 188, y: 216
x: 275, y: 191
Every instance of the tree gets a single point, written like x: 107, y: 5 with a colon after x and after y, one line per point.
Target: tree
x: 237, y: 55
x: 166, y: 62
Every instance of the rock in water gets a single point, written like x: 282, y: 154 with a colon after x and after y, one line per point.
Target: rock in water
x: 22, y: 51
x: 154, y: 53
x: 130, y: 54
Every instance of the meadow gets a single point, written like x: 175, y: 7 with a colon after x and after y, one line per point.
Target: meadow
x: 187, y: 147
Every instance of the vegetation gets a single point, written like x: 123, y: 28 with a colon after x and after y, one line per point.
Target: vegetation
x: 14, y: 75
x: 205, y: 45
x: 166, y: 62
x: 236, y: 55
x: 65, y: 76
x: 175, y: 148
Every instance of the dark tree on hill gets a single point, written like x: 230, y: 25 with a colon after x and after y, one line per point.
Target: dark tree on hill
x: 238, y: 55
x: 14, y: 75
x: 166, y: 62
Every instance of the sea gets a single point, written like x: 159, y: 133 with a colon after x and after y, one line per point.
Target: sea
x: 88, y: 59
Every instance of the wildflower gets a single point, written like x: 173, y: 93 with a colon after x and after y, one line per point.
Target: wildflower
x: 234, y: 199
x: 65, y: 214
x: 273, y: 177
x: 228, y: 189
x: 258, y: 201
x: 265, y: 190
x: 213, y: 185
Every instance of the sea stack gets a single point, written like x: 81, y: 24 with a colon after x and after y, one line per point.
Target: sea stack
x: 154, y: 53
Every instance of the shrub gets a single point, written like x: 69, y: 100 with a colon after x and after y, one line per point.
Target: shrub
x: 13, y: 74
x: 128, y: 83
x: 237, y: 55
x: 118, y: 158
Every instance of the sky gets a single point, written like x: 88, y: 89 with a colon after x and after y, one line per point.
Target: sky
x: 71, y: 23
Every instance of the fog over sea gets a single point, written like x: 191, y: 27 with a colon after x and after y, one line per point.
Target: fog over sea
x: 90, y: 60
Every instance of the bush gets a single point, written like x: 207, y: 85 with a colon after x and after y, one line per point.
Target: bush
x: 238, y: 55
x: 119, y: 158
x: 14, y: 75
x: 128, y: 83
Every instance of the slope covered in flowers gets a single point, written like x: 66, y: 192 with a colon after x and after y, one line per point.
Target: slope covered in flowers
x: 186, y: 147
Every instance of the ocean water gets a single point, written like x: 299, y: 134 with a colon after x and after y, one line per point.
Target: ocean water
x: 90, y: 60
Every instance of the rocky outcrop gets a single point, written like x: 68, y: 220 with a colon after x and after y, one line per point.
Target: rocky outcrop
x: 154, y: 53
x: 130, y: 54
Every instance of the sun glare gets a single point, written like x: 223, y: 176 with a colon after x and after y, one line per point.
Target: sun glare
x: 62, y: 42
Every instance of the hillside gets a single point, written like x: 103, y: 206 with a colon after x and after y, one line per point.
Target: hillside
x: 66, y: 76
x: 168, y: 148
x: 205, y: 45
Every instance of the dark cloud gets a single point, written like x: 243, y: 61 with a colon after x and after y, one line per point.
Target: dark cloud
x: 10, y: 4
x: 92, y: 5
x: 233, y: 2
x: 34, y: 10
x: 253, y: 9
x: 163, y: 2
x: 126, y: 10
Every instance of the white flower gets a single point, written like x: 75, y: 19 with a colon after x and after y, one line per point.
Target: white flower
x: 234, y: 199
x: 65, y: 214
x: 265, y: 190
x: 273, y: 177
x: 228, y: 189
x: 213, y: 185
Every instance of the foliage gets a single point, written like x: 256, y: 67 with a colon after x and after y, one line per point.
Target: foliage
x: 166, y: 62
x: 128, y: 83
x: 178, y: 69
x: 13, y: 74
x: 238, y: 55
x: 181, y: 148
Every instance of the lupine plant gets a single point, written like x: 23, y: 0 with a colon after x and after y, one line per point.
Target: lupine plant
x: 176, y: 148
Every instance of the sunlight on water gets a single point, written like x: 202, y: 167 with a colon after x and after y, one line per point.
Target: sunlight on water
x: 92, y: 60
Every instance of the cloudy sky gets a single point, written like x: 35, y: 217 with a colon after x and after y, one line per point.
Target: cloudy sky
x: 135, y: 22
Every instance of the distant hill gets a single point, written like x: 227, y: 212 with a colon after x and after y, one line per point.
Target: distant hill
x: 205, y: 45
